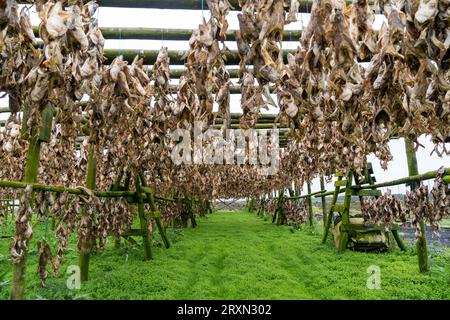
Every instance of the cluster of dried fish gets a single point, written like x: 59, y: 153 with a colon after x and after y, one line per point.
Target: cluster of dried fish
x: 341, y: 111
x: 19, y: 54
x: 205, y: 71
x: 120, y: 120
x: 259, y: 42
x: 69, y: 66
x: 158, y: 168
x: 421, y: 207
x: 169, y: 211
x: 384, y: 210
x: 271, y: 206
x: 114, y: 218
x: 60, y: 71
x: 12, y: 152
x: 418, y: 206
x: 24, y: 228
x: 295, y: 212
x: 425, y: 50
x: 45, y: 257
x: 93, y: 219
x: 441, y: 196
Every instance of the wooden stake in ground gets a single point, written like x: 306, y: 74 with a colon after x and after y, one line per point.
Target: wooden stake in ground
x: 324, y: 201
x: 146, y: 234
x: 155, y: 214
x: 86, y: 245
x: 346, y: 213
x: 310, y: 207
x: 30, y: 176
x: 329, y: 220
x: 421, y: 243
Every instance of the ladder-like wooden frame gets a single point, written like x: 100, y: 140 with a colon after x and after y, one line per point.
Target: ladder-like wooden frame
x: 344, y: 209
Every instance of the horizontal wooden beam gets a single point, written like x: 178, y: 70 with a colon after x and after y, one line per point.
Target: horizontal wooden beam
x: 416, y: 178
x: 263, y: 119
x: 176, y: 57
x: 75, y: 191
x: 367, y: 227
x: 62, y: 189
x: 303, y: 196
x: 367, y: 193
x: 173, y: 34
x: 167, y: 34
x: 305, y: 5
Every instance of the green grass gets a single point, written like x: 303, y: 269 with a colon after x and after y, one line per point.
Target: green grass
x: 240, y: 256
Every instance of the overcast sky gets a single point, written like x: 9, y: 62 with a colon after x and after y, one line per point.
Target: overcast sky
x: 189, y: 19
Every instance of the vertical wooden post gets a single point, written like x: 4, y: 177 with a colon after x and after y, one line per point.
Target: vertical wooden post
x: 324, y: 201
x: 346, y: 214
x: 291, y: 192
x: 279, y: 208
x: 146, y: 235
x: 330, y: 210
x: 208, y: 206
x: 5, y: 206
x: 31, y: 173
x: 38, y: 135
x: 86, y: 245
x: 310, y: 208
x: 191, y: 211
x: 116, y: 187
x: 155, y: 213
x: 421, y: 243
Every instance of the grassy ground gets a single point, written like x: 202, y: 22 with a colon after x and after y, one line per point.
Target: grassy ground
x: 240, y: 256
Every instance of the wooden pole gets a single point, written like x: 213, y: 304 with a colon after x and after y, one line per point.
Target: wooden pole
x: 155, y: 213
x: 62, y: 189
x: 406, y: 180
x: 5, y: 205
x: 86, y: 244
x: 421, y: 243
x: 191, y: 212
x: 324, y: 202
x: 176, y: 57
x: 30, y: 176
x: 146, y: 235
x: 168, y: 34
x: 330, y: 210
x: 346, y: 214
x: 310, y: 208
x: 115, y: 187
x: 279, y: 209
x: 304, y: 6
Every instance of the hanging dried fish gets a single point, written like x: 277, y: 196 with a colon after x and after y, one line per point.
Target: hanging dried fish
x: 45, y: 256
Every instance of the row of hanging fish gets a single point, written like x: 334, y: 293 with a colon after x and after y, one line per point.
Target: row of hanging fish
x: 420, y: 205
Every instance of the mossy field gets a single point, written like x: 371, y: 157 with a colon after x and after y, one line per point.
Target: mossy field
x: 235, y: 255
